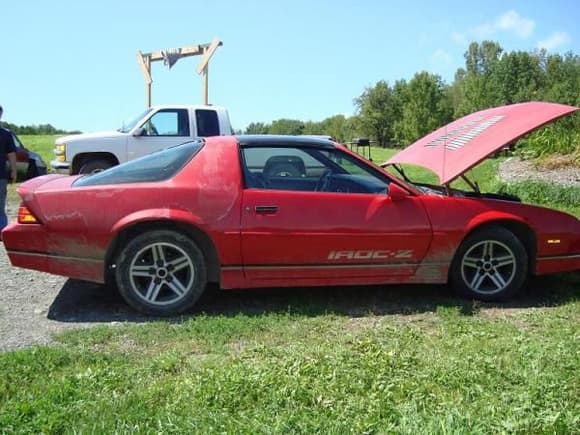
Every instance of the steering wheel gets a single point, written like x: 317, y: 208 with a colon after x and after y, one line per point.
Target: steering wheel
x: 324, y: 181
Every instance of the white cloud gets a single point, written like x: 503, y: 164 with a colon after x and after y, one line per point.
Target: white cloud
x: 555, y: 40
x: 510, y: 21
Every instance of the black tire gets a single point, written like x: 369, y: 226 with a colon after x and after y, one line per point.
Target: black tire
x: 94, y: 165
x: 161, y: 273
x: 490, y: 265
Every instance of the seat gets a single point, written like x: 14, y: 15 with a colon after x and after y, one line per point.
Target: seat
x: 284, y: 166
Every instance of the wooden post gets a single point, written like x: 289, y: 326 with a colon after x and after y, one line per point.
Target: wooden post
x: 145, y: 63
x: 207, y: 50
x: 204, y: 85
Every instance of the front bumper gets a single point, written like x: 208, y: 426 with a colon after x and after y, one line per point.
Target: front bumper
x: 60, y: 167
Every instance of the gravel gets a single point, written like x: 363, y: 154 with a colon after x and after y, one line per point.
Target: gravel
x: 35, y: 305
x: 515, y: 170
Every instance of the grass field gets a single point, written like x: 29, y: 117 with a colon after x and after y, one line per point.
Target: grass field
x: 317, y: 361
x: 402, y: 359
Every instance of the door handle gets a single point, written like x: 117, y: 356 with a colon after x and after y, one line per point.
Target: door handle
x: 266, y: 209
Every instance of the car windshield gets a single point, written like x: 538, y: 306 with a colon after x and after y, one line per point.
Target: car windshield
x: 126, y: 128
x: 157, y: 166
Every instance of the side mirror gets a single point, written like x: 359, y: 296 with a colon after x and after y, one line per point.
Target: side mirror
x: 139, y: 131
x: 397, y: 193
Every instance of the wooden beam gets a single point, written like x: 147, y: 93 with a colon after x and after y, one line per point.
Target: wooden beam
x: 145, y: 64
x: 208, y: 53
x: 192, y: 50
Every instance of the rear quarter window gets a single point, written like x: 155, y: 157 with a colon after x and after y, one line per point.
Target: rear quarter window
x: 158, y: 166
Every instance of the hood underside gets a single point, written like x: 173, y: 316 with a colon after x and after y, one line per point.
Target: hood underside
x: 457, y: 147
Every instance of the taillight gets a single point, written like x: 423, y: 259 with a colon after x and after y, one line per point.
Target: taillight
x: 25, y: 216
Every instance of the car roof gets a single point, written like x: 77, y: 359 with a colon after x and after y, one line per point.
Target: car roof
x: 279, y: 140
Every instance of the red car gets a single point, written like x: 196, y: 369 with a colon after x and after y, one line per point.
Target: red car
x: 261, y: 211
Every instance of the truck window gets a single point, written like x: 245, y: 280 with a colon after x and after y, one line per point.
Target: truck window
x: 168, y: 122
x: 207, y: 123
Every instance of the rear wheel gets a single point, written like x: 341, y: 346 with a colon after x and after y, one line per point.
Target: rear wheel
x: 161, y: 272
x: 491, y: 264
x: 94, y: 165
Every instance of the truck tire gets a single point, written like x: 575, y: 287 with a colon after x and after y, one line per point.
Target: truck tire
x: 92, y: 166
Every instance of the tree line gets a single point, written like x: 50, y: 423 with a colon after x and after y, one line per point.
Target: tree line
x: 397, y: 114
x: 43, y: 129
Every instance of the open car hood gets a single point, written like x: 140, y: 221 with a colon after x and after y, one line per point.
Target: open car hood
x: 458, y: 146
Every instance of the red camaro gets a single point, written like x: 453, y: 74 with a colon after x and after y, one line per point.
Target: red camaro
x: 260, y: 211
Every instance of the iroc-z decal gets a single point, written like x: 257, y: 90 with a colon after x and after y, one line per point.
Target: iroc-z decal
x: 381, y: 254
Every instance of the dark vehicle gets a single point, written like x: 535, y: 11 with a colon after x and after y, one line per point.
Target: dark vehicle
x: 29, y: 164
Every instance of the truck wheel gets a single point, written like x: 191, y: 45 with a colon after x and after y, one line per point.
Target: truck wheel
x: 95, y: 165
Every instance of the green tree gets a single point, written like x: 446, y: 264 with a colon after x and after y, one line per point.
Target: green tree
x: 426, y: 106
x: 479, y: 87
x: 257, y: 128
x: 287, y: 126
x: 375, y: 113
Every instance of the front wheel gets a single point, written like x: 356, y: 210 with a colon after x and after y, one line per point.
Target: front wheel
x: 491, y: 265
x: 161, y: 272
x: 95, y: 165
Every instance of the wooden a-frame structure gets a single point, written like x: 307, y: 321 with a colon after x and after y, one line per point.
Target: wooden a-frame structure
x: 171, y: 56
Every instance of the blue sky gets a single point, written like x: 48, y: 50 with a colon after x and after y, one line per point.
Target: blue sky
x: 73, y: 64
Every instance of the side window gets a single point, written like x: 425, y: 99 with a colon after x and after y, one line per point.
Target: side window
x: 168, y: 122
x: 308, y: 169
x: 207, y: 123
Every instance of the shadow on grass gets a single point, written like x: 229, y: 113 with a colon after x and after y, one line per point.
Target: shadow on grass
x: 82, y: 302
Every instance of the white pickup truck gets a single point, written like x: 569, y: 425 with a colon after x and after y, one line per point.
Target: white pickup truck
x: 157, y: 128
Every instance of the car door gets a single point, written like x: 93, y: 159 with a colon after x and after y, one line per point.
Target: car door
x: 319, y: 215
x: 164, y: 128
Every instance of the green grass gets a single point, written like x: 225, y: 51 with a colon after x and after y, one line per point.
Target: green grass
x: 41, y: 144
x: 447, y: 370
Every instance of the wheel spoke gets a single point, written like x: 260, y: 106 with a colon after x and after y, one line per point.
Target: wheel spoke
x: 498, y: 280
x: 141, y: 271
x: 153, y: 291
x: 487, y: 249
x: 471, y: 262
x: 176, y: 286
x: 158, y: 254
x: 179, y: 263
x: 504, y: 261
x: 477, y: 281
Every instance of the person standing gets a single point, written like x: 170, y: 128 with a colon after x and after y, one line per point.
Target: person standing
x: 7, y: 151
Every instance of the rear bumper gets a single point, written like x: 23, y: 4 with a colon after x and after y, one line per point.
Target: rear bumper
x: 31, y: 247
x: 560, y: 263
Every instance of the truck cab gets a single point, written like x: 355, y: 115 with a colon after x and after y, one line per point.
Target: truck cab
x: 157, y: 128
